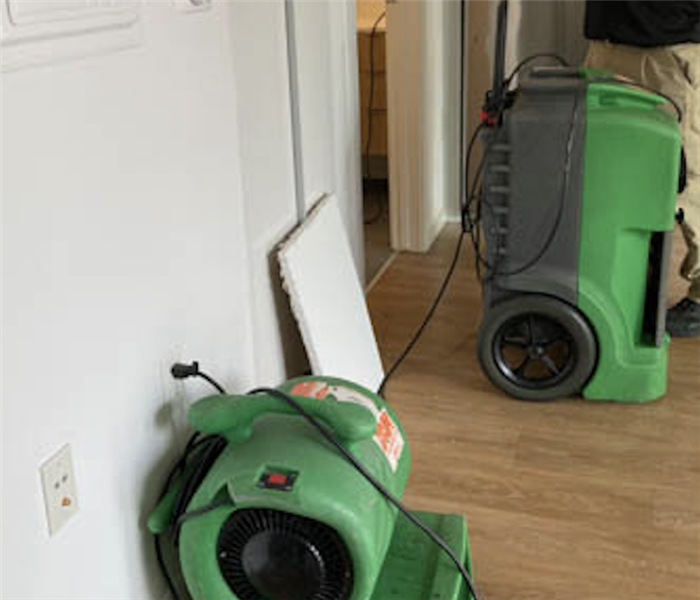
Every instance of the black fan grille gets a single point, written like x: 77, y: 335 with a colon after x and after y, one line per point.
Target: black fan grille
x: 324, y: 543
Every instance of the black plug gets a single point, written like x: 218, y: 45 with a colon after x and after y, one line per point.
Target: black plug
x: 183, y: 371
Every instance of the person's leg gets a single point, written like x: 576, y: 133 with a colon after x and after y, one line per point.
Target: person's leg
x: 615, y: 58
x: 688, y: 57
x: 676, y: 72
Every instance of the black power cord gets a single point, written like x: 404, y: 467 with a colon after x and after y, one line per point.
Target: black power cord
x: 370, y: 109
x: 213, y: 447
x: 428, y: 317
x: 209, y: 447
x: 164, y: 568
x: 183, y: 371
x: 470, y: 226
x: 329, y: 436
x: 471, y: 223
x: 474, y: 223
x: 201, y: 465
x: 464, y: 174
x: 493, y: 270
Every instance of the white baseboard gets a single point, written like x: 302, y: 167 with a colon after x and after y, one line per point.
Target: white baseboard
x: 435, y: 229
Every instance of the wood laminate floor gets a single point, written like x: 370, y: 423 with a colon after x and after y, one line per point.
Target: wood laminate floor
x: 376, y: 217
x: 570, y: 500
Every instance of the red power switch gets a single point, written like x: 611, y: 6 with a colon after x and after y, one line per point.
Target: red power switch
x: 274, y: 480
x: 277, y: 479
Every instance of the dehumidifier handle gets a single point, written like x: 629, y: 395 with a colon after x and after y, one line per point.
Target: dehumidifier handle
x: 613, y: 93
x: 233, y: 416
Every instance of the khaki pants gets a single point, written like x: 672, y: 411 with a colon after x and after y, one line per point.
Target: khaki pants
x: 675, y: 71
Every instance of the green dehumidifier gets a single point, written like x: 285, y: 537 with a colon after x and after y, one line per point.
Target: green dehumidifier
x: 578, y: 191
x: 264, y: 507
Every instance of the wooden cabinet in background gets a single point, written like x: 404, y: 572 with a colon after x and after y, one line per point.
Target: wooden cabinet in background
x: 376, y: 160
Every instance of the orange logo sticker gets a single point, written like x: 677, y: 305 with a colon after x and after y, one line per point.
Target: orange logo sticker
x: 311, y: 389
x: 388, y: 437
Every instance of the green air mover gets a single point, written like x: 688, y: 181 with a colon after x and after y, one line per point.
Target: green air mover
x: 266, y: 508
x: 580, y: 180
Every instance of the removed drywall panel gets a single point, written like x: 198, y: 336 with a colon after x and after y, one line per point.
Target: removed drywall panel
x: 327, y: 299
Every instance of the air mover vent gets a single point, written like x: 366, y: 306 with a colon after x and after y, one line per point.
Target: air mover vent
x: 273, y: 555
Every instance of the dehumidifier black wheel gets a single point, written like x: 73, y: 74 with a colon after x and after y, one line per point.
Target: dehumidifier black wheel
x: 536, y: 347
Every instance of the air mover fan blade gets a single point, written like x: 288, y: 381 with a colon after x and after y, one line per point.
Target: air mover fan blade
x: 273, y: 555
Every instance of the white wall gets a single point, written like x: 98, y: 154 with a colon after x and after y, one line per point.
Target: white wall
x: 345, y: 96
x: 328, y: 104
x: 259, y: 49
x: 141, y: 195
x: 329, y: 109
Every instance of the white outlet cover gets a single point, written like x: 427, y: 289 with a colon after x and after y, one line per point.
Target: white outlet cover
x: 60, y: 491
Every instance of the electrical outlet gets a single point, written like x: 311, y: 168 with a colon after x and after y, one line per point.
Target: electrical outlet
x: 60, y: 492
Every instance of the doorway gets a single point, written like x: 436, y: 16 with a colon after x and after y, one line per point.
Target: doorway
x: 409, y: 63
x: 371, y: 41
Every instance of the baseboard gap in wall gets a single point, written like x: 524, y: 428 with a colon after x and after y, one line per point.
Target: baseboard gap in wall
x: 380, y: 272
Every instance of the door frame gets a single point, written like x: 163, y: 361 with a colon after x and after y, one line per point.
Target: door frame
x: 422, y: 42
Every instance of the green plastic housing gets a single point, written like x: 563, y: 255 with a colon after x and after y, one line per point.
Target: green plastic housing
x: 632, y: 156
x: 416, y: 569
x: 265, y: 435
